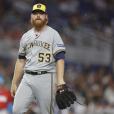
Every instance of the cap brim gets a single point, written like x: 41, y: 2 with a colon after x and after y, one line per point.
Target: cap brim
x: 37, y: 10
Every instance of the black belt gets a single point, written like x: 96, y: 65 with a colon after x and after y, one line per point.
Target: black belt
x: 35, y: 73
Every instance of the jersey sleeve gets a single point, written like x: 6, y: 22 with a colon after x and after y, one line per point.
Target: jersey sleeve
x: 58, y: 45
x: 22, y: 48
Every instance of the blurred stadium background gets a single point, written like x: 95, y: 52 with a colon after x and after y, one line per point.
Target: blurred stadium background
x: 87, y: 28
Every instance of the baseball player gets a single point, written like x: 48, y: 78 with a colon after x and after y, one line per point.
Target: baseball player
x: 39, y: 68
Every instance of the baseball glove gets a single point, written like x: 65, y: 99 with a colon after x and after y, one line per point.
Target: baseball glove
x: 64, y: 97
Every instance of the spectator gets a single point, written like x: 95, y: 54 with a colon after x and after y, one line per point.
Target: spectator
x: 109, y: 92
x: 5, y: 98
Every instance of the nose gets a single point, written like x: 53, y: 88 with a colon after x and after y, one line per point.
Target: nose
x: 38, y: 15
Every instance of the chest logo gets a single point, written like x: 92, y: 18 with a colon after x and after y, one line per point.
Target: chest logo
x: 39, y: 44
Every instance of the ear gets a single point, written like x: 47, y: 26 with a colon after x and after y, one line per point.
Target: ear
x: 31, y: 16
x: 47, y: 18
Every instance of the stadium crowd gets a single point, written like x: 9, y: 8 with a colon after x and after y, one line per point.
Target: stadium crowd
x: 82, y: 24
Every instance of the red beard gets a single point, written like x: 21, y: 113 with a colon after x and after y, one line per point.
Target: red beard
x: 38, y: 23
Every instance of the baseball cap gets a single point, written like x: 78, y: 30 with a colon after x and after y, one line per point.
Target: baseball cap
x: 39, y: 8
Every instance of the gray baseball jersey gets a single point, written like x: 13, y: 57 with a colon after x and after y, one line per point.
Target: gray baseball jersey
x: 39, y: 49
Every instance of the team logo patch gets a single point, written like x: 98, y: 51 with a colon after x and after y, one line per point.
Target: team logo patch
x: 60, y: 45
x: 38, y: 6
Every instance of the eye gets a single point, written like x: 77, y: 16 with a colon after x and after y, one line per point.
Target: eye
x: 34, y: 13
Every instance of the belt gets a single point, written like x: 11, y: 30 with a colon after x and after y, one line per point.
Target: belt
x: 35, y: 73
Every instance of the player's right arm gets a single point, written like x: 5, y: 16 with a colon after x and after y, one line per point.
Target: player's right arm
x: 19, y: 66
x: 18, y: 73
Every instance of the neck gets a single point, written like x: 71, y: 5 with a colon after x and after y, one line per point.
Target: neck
x: 39, y: 28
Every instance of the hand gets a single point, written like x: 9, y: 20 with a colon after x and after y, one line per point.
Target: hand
x: 13, y: 89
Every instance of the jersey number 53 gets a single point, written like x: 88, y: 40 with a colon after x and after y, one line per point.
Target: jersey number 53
x: 44, y: 57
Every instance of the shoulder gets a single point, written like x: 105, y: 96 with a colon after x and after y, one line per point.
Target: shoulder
x: 54, y: 33
x: 52, y: 30
x: 27, y: 35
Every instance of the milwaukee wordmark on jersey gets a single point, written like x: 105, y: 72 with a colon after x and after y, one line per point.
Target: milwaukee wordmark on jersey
x: 39, y: 44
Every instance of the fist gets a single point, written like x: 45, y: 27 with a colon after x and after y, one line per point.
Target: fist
x: 13, y: 89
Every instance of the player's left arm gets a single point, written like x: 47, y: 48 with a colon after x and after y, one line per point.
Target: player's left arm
x: 59, y: 55
x: 64, y: 97
x: 60, y: 71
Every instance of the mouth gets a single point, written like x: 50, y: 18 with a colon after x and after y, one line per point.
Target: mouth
x: 38, y: 19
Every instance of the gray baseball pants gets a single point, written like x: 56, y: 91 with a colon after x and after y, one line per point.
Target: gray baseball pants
x: 37, y: 87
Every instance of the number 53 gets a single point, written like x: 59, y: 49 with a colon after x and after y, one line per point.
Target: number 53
x: 44, y: 57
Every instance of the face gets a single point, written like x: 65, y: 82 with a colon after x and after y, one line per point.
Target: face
x: 39, y: 20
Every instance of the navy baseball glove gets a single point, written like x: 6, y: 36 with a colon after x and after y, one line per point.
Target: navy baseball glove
x: 64, y: 97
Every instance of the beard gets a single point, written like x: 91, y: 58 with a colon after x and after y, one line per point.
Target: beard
x: 38, y: 24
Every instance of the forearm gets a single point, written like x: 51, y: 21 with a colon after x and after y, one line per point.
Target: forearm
x: 18, y: 72
x: 60, y: 71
